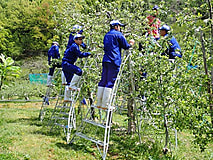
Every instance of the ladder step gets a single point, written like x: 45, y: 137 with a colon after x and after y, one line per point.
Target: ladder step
x: 64, y: 113
x: 156, y: 114
x: 112, y: 108
x: 62, y: 107
x: 52, y: 97
x: 62, y: 118
x: 93, y: 106
x: 90, y: 138
x: 71, y: 101
x: 61, y: 125
x: 94, y: 123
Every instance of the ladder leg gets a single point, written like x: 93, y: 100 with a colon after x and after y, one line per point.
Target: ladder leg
x: 59, y: 102
x: 107, y: 133
x: 44, y: 104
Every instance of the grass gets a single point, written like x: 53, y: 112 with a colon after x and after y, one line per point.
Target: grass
x: 23, y: 137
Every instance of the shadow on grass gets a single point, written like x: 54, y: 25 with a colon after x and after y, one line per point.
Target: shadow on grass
x: 33, y: 119
x: 128, y: 147
x: 44, y: 126
x: 121, y: 147
x: 47, y: 132
x: 27, y: 121
x: 83, y: 146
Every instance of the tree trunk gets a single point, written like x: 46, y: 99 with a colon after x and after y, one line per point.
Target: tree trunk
x: 131, y: 117
x: 211, y: 56
x: 130, y: 103
x: 1, y: 81
x: 206, y: 72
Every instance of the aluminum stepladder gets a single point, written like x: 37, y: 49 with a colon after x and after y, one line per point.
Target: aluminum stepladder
x: 98, y: 130
x: 63, y: 114
x: 46, y: 99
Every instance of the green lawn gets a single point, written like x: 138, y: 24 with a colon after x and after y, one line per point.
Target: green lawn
x: 23, y: 136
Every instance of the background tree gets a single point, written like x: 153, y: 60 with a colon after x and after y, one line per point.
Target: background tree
x: 28, y: 26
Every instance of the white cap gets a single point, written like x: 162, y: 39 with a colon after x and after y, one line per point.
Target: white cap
x: 54, y: 42
x: 116, y: 22
x: 78, y: 36
x: 165, y: 27
x: 77, y: 27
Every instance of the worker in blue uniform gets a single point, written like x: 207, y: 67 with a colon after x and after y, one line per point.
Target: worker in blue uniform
x: 167, y: 40
x: 76, y: 29
x: 53, y: 54
x: 114, y: 42
x: 71, y: 71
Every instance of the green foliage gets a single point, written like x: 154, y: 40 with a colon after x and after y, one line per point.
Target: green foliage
x: 7, y: 46
x: 27, y: 25
x: 7, y: 69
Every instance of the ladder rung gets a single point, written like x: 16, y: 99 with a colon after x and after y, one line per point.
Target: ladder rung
x: 64, y: 113
x: 98, y: 108
x: 71, y: 101
x: 62, y: 107
x: 156, y: 114
x: 52, y: 97
x: 63, y: 118
x: 94, y: 123
x: 61, y: 125
x: 90, y: 138
x: 93, y: 106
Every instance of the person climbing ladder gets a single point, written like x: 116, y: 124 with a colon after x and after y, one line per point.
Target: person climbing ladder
x: 53, y: 56
x: 114, y: 41
x: 72, y: 72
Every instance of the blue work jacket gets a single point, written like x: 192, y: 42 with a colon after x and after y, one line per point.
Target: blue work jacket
x: 173, y: 48
x: 71, y: 41
x: 114, y: 41
x: 53, y: 53
x: 73, y: 52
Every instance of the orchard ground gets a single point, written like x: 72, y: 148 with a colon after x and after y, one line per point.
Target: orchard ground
x: 23, y: 136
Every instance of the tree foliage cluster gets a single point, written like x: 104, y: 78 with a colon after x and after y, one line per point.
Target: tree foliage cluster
x: 182, y: 93
x: 26, y: 27
x: 30, y: 26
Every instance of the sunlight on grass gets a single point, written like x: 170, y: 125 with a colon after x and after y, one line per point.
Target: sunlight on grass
x: 23, y: 136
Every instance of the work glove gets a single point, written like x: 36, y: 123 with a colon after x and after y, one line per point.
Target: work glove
x: 81, y: 31
x: 84, y: 46
x: 179, y: 55
x: 88, y: 53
